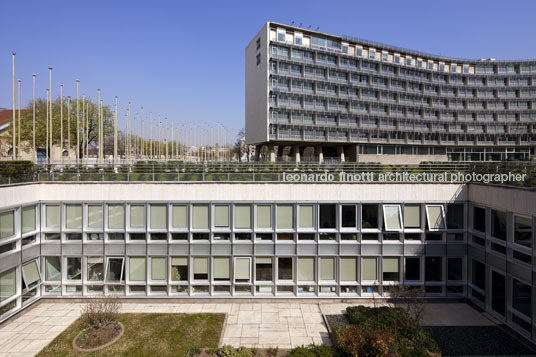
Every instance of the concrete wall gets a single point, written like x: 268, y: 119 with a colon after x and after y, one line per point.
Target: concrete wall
x: 257, y: 89
x: 521, y: 201
x: 16, y: 195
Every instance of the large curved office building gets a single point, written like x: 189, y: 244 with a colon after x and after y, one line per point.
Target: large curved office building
x: 354, y: 100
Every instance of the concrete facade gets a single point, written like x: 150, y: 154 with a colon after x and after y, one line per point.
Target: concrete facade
x: 311, y: 88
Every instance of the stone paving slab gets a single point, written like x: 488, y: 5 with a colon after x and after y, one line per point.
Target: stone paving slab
x: 256, y: 325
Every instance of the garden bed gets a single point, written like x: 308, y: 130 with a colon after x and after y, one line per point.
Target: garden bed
x: 380, y: 331
x: 98, y: 337
x: 148, y: 335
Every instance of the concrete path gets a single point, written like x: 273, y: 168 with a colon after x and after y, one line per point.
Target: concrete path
x: 259, y: 325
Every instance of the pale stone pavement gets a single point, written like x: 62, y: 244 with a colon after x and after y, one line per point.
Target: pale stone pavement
x: 258, y: 324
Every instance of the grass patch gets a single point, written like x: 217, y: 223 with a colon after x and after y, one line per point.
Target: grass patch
x: 149, y: 335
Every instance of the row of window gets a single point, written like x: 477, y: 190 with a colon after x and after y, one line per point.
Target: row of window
x: 306, y: 217
x: 511, y: 301
x: 350, y: 49
x: 240, y: 270
x: 385, y: 77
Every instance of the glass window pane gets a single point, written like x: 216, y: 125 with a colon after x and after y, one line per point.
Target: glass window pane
x: 31, y: 274
x: 201, y: 268
x: 114, y: 272
x: 478, y: 274
x: 328, y: 216
x: 263, y: 269
x: 284, y: 268
x: 243, y: 216
x: 28, y: 219
x: 369, y: 216
x: 455, y: 216
x: 7, y: 226
x: 285, y: 216
x: 521, y: 297
x: 479, y: 219
x: 158, y: 216
x: 264, y: 216
x: 8, y: 284
x: 179, y: 269
x: 306, y: 269
x: 116, y: 216
x: 221, y: 216
x: 348, y: 216
x: 158, y: 268
x: 412, y: 216
x: 137, y: 216
x: 137, y: 269
x: 498, y: 224
x: 221, y: 268
x: 369, y: 269
x: 432, y: 269
x: 179, y: 215
x: 392, y: 217
x: 95, y: 268
x: 454, y: 269
x: 52, y: 216
x: 52, y: 269
x: 348, y: 269
x: 327, y: 270
x: 306, y: 216
x: 413, y: 269
x: 200, y: 217
x: 390, y: 269
x: 435, y: 217
x: 74, y: 268
x: 94, y: 217
x: 523, y: 231
x: 73, y: 216
x: 242, y: 269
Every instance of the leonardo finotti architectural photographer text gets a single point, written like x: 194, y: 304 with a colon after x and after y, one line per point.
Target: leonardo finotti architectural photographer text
x: 403, y: 177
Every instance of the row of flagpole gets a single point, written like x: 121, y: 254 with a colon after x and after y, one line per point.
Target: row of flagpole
x: 142, y: 140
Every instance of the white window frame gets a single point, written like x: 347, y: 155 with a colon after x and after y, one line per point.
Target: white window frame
x: 430, y: 228
x: 37, y: 262
x: 94, y: 282
x: 64, y: 271
x: 234, y: 270
x: 122, y: 270
x: 400, y: 220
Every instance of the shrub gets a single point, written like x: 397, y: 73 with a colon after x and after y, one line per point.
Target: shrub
x: 356, y: 341
x: 312, y: 351
x: 230, y: 351
x: 408, y: 335
x: 100, y: 311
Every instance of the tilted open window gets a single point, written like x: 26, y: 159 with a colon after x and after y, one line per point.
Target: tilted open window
x: 436, y: 217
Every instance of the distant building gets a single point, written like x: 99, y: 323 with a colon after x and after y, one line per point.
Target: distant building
x: 353, y: 100
x: 26, y: 150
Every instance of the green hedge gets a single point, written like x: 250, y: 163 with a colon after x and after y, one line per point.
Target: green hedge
x: 410, y: 339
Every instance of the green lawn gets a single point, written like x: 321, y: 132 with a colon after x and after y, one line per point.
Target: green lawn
x: 149, y: 335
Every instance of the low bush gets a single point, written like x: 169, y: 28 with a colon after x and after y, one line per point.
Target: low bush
x: 230, y: 351
x: 100, y: 311
x: 409, y: 338
x: 352, y: 340
x: 312, y: 351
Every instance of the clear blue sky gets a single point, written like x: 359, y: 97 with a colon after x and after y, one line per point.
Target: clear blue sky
x: 185, y: 59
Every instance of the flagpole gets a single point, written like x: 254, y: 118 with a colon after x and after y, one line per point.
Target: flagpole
x: 18, y: 128
x: 78, y: 123
x: 50, y: 113
x: 13, y: 153
x: 61, y: 122
x: 33, y: 120
x: 115, y: 132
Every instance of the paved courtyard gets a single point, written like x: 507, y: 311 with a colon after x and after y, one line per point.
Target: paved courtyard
x: 259, y: 324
